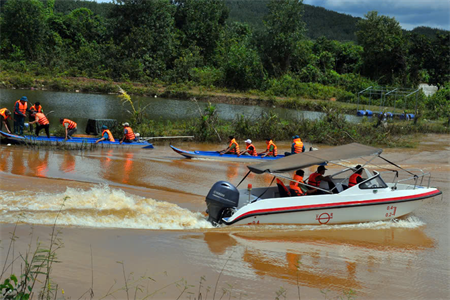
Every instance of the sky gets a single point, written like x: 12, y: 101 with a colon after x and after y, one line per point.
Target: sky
x: 409, y: 13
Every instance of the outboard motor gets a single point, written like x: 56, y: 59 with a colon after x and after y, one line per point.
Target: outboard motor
x: 221, y: 198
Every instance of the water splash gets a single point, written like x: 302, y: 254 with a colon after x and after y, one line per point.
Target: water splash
x: 100, y: 206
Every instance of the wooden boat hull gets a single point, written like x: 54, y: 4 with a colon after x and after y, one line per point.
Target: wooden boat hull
x: 74, y: 141
x: 216, y: 156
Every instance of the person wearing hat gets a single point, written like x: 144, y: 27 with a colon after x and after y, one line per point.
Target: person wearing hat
x: 128, y: 134
x: 106, y: 135
x: 20, y: 110
x: 42, y: 123
x: 69, y: 126
x: 356, y: 177
x: 4, y: 115
x: 249, y: 149
x: 297, y: 146
x: 316, y: 178
x: 271, y: 149
x: 233, y: 147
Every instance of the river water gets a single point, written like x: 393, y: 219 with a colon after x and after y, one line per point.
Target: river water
x: 139, y: 212
x: 80, y: 107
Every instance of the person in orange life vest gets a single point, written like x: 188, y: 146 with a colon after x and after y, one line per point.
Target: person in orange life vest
x: 233, y: 147
x: 271, y: 149
x: 20, y: 110
x: 35, y: 108
x: 42, y: 123
x: 128, y: 134
x: 250, y: 150
x: 297, y: 146
x: 70, y: 127
x: 356, y: 178
x: 106, y: 135
x: 315, y: 179
x: 294, y: 186
x: 5, y: 114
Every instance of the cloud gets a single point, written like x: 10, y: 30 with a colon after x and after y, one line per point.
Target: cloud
x: 410, y: 13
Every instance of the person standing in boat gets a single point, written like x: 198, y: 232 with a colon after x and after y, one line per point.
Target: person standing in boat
x: 271, y: 149
x: 35, y: 108
x: 106, y: 135
x: 356, y: 177
x: 294, y: 186
x: 5, y: 114
x: 250, y: 150
x: 316, y: 178
x: 20, y: 110
x: 233, y: 147
x: 70, y: 127
x: 128, y: 134
x: 42, y: 123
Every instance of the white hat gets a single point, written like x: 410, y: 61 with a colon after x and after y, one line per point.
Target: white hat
x: 248, y: 141
x: 126, y: 124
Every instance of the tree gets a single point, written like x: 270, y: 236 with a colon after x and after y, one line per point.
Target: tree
x: 202, y: 22
x: 23, y: 27
x: 284, y: 28
x: 384, y: 48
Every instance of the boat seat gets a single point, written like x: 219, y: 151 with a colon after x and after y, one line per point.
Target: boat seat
x: 282, y: 189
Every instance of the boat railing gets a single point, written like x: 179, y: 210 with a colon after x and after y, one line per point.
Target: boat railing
x: 417, y: 178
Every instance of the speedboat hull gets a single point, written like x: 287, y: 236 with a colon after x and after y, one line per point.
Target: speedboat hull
x: 53, y: 140
x: 328, y: 213
x: 225, y: 157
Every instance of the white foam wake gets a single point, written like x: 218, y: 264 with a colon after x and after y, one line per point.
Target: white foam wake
x: 100, y: 206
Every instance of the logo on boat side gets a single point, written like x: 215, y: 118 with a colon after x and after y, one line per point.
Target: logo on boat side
x: 324, y: 218
x: 218, y: 194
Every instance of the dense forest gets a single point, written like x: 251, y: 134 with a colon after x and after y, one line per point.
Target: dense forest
x: 281, y: 44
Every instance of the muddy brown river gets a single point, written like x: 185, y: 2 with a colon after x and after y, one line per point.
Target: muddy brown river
x: 139, y: 212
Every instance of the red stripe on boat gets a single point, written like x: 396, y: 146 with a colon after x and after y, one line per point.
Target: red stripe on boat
x: 279, y: 209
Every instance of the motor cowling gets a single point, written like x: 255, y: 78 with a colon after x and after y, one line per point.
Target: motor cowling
x: 221, y: 198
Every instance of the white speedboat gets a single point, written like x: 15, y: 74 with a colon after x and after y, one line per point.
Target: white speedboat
x: 373, y: 199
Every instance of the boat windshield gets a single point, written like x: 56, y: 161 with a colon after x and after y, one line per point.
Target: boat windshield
x: 373, y: 183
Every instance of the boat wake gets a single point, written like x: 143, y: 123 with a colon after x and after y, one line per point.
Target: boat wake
x: 100, y: 207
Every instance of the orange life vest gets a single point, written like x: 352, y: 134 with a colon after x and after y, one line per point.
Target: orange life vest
x: 293, y: 185
x: 251, y: 152
x: 37, y: 109
x: 22, y: 107
x: 352, y: 180
x: 110, y: 136
x: 298, y: 145
x: 312, y: 179
x: 130, y: 134
x: 72, y: 124
x: 3, y: 113
x: 42, y: 119
x: 275, y: 151
x: 235, y: 150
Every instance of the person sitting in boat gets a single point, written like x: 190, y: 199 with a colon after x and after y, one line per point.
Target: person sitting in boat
x: 128, y: 134
x: 271, y: 149
x: 294, y: 186
x: 5, y: 114
x: 316, y: 178
x: 35, y: 108
x: 70, y: 127
x: 106, y: 135
x: 297, y: 146
x: 42, y: 123
x: 250, y: 150
x: 233, y: 147
x: 356, y: 177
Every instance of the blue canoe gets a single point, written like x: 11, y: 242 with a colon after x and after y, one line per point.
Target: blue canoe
x: 53, y: 140
x: 216, y: 156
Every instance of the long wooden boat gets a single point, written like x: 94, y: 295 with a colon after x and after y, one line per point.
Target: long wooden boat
x: 217, y: 156
x: 53, y: 140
